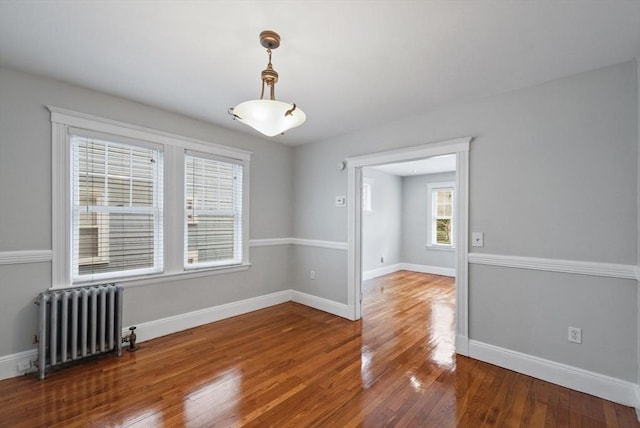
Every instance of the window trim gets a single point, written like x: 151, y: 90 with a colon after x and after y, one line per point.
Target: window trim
x: 431, y: 187
x: 64, y: 121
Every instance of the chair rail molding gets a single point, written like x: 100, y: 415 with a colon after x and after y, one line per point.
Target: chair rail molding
x: 611, y: 270
x: 25, y: 256
x: 269, y: 242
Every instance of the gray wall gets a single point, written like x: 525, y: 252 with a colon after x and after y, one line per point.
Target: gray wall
x: 415, y: 219
x: 529, y: 311
x: 382, y: 226
x: 330, y: 267
x: 25, y: 205
x: 553, y: 174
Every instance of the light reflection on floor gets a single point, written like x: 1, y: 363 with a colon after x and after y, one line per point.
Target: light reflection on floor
x: 442, y: 317
x: 438, y: 320
x: 365, y: 367
x: 415, y: 383
x: 149, y: 418
x: 222, y: 395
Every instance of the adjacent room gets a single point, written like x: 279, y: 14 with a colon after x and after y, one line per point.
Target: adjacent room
x: 409, y: 217
x: 433, y: 221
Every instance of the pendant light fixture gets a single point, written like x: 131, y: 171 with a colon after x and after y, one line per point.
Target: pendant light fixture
x: 270, y: 117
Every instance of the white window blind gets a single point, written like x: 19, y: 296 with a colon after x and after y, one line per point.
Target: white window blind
x: 213, y: 211
x: 117, y: 209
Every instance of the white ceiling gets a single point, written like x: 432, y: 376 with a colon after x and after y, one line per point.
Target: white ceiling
x: 348, y: 64
x: 433, y: 165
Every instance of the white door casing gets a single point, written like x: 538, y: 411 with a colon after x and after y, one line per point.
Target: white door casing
x: 459, y: 147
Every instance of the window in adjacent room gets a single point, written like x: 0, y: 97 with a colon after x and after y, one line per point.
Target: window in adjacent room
x: 441, y: 198
x: 366, y: 196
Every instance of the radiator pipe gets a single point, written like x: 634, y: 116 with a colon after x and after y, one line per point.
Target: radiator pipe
x: 131, y: 339
x: 42, y: 334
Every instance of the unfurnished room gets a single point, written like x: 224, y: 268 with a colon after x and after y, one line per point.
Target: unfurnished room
x: 319, y: 213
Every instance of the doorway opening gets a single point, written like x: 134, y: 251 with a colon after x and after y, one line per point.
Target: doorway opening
x: 409, y: 253
x: 358, y: 186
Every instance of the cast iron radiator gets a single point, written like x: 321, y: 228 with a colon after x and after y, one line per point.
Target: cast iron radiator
x: 77, y: 323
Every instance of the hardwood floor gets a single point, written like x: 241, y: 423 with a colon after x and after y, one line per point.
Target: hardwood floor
x: 292, y: 366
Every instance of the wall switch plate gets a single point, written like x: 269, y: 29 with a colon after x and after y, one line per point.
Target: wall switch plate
x: 341, y: 201
x: 575, y: 334
x: 477, y: 239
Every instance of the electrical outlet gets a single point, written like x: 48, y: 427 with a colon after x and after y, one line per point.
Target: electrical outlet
x: 382, y: 259
x: 575, y: 334
x: 35, y: 338
x: 312, y: 274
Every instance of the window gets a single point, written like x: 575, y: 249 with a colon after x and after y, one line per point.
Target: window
x: 441, y: 197
x: 213, y: 211
x: 136, y: 204
x: 117, y: 209
x: 366, y: 196
x: 443, y: 208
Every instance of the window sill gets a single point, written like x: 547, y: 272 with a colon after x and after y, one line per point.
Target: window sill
x: 440, y: 247
x: 141, y: 281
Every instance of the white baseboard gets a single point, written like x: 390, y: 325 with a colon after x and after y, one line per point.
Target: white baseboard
x: 609, y: 388
x: 435, y: 270
x: 162, y: 327
x: 326, y: 305
x: 462, y: 345
x: 374, y: 273
x: 9, y: 363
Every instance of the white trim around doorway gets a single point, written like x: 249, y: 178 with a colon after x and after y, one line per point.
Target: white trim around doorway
x: 457, y: 146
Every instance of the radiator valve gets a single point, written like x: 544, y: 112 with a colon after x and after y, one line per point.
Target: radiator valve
x: 131, y: 339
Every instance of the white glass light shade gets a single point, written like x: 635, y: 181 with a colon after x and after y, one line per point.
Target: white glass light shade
x: 268, y: 116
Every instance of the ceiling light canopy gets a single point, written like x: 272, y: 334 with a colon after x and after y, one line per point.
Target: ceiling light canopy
x: 270, y: 117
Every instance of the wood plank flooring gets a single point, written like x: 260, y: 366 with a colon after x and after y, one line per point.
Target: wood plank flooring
x: 292, y: 366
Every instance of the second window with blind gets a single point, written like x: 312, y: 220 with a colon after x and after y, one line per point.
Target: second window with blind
x: 213, y: 211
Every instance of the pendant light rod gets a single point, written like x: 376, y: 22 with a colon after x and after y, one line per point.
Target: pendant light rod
x: 269, y: 40
x: 270, y: 78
